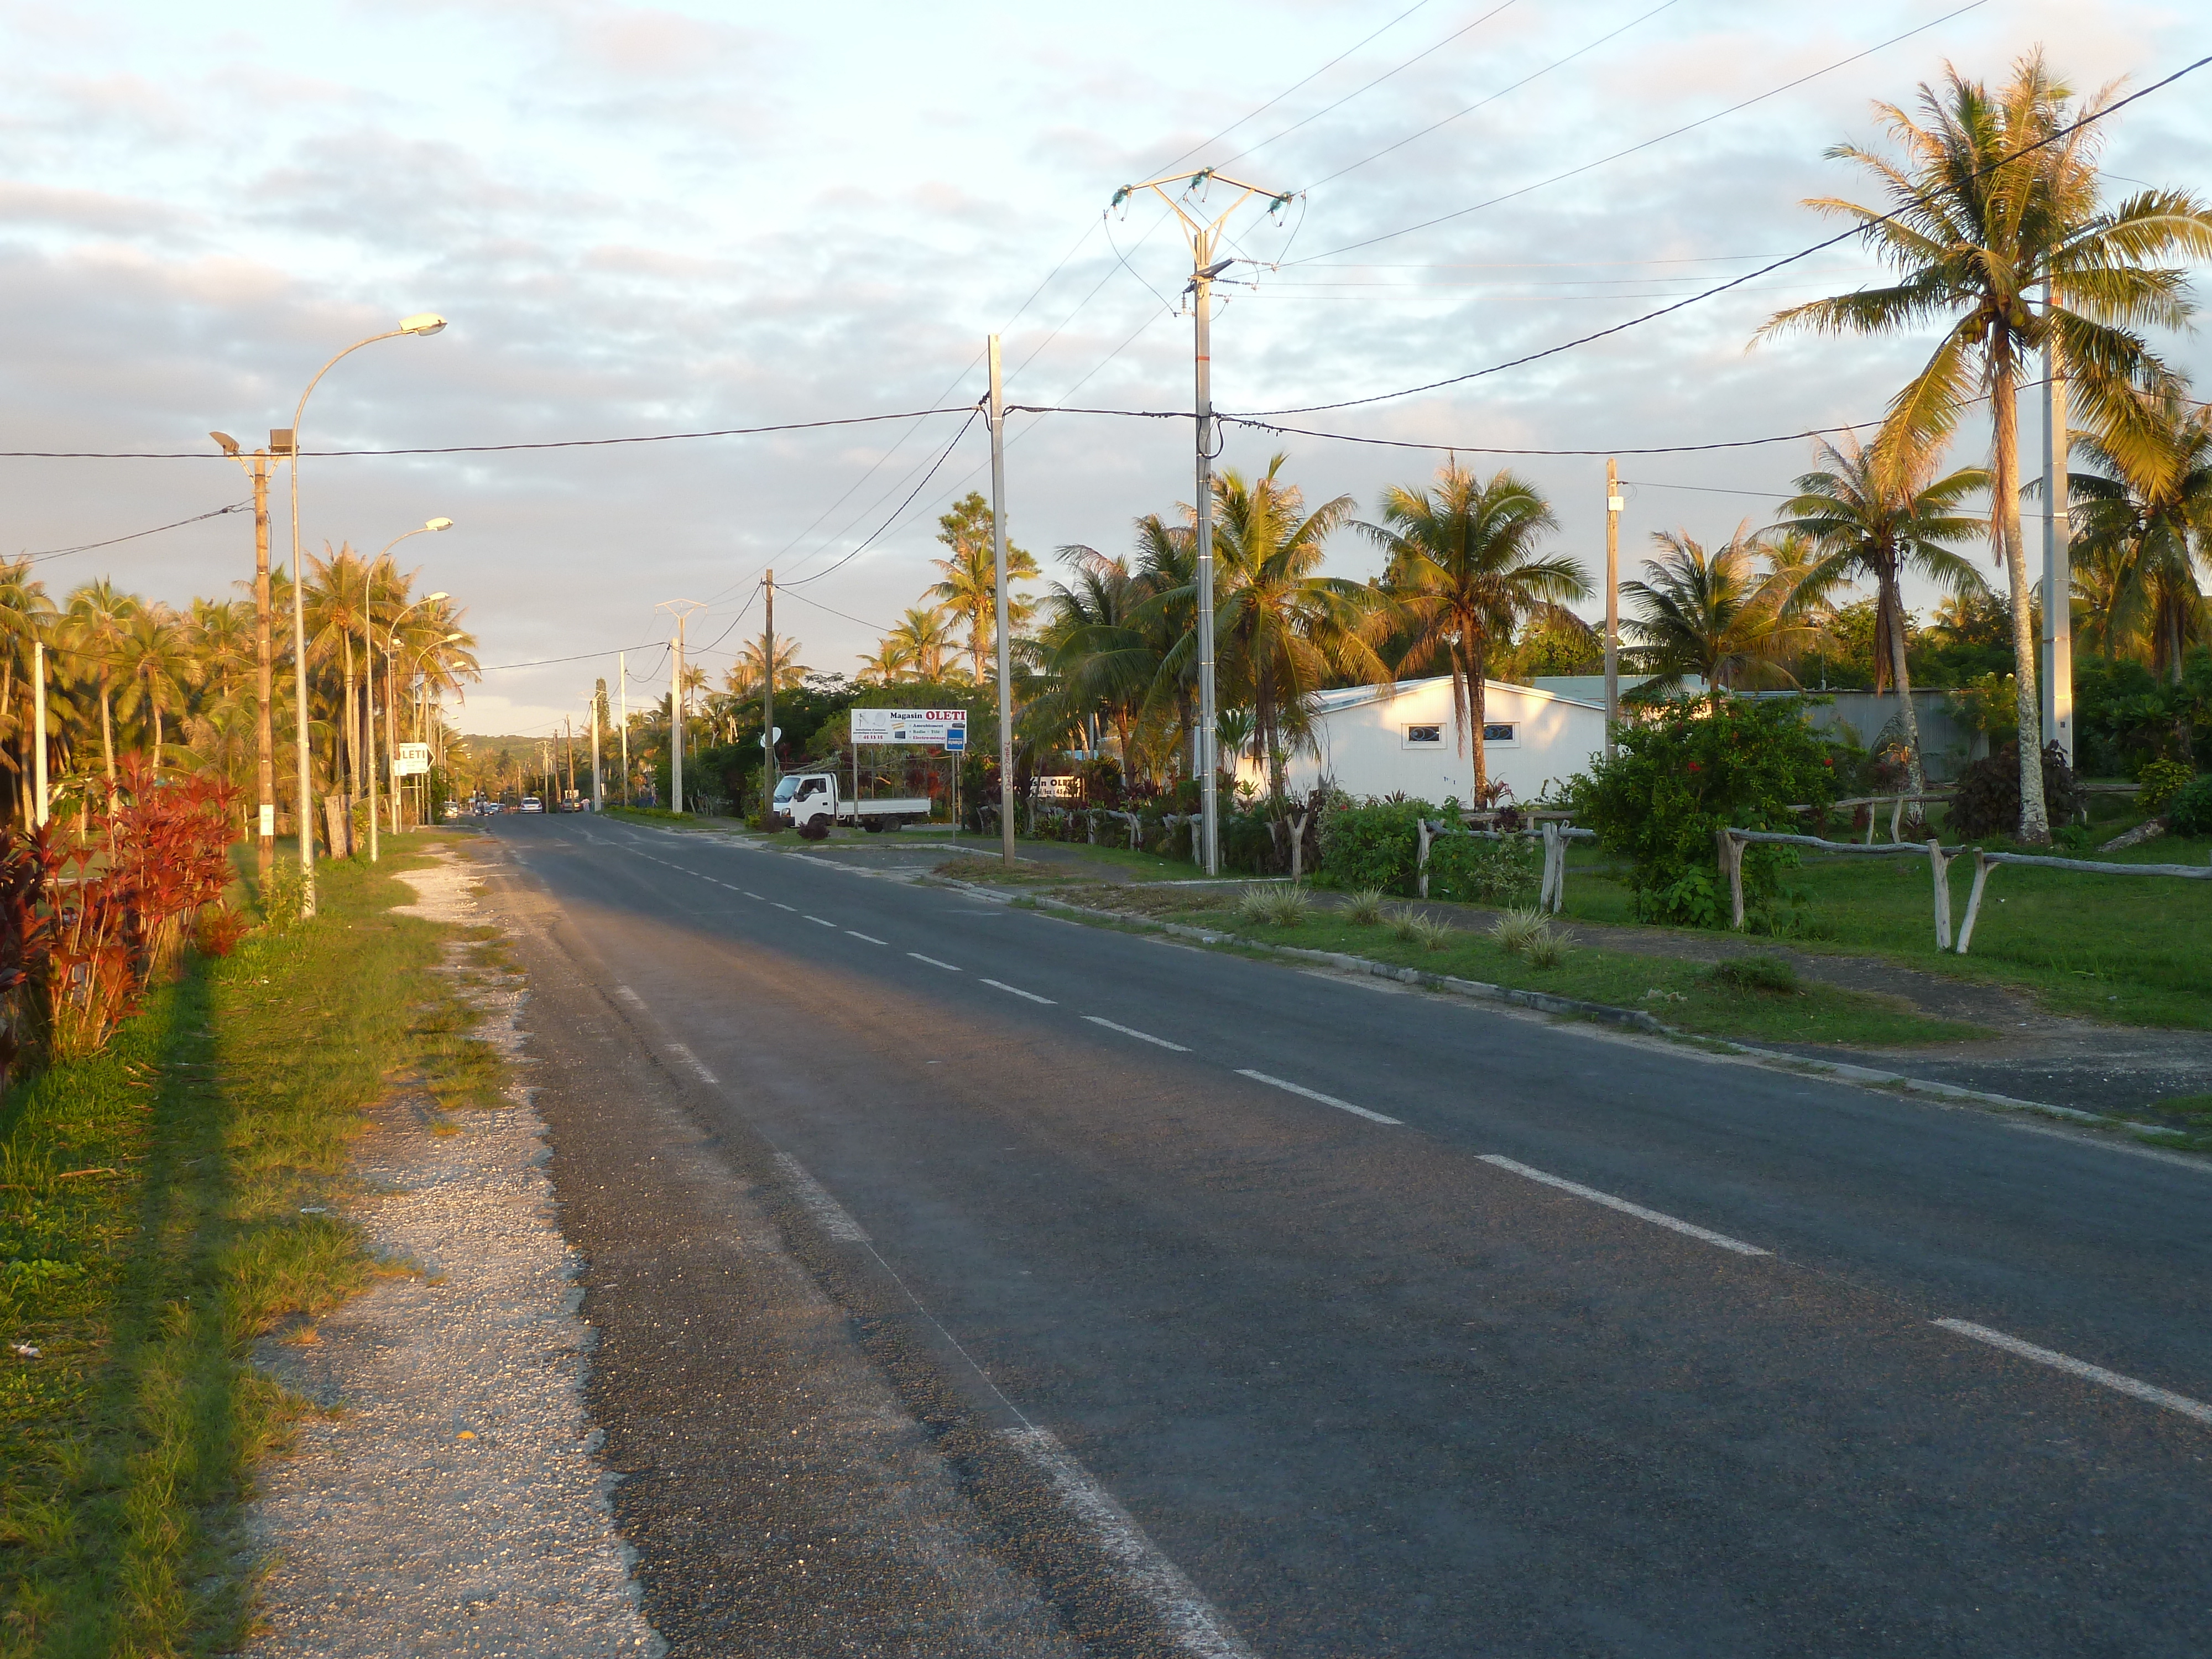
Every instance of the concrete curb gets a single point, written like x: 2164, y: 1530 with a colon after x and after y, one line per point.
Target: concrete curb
x: 1604, y: 1013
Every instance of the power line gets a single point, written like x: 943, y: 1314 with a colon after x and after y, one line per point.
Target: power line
x: 1488, y: 449
x: 943, y: 456
x: 1603, y: 160
x: 136, y: 535
x: 846, y: 615
x: 1821, y: 246
x: 586, y: 656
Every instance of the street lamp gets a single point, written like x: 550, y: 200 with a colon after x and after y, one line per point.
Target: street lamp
x: 368, y: 668
x: 424, y: 322
x: 391, y: 682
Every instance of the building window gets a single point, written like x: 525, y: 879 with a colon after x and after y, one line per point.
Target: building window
x: 1417, y: 735
x: 1501, y: 732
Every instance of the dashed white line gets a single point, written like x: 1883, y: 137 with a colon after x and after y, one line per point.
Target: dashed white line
x: 749, y: 894
x: 780, y: 905
x: 933, y: 961
x: 823, y: 1207
x: 871, y: 938
x: 1191, y: 1621
x: 1654, y: 1216
x: 693, y: 1061
x: 1316, y: 1094
x: 1017, y: 990
x: 2083, y: 1369
x: 1141, y: 1036
x: 818, y: 922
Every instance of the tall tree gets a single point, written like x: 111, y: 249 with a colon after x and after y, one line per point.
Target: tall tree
x: 94, y: 628
x: 1464, y: 573
x: 925, y: 641
x: 1873, y: 519
x: 156, y: 669
x: 338, y: 608
x: 1993, y: 195
x: 971, y: 587
x: 2145, y: 520
x: 1714, y: 614
x: 745, y: 676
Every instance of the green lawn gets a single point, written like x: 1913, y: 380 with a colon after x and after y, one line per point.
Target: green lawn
x: 2129, y: 949
x: 161, y: 1205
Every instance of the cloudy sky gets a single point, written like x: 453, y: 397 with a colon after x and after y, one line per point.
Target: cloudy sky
x: 668, y: 219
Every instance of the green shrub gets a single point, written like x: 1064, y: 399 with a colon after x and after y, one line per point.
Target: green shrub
x: 2160, y: 782
x: 1987, y: 799
x: 1546, y: 948
x: 2189, y: 812
x: 1516, y: 928
x: 1287, y: 907
x: 1776, y: 975
x: 1685, y: 771
x: 1373, y: 845
x: 1478, y: 871
x: 1364, y: 907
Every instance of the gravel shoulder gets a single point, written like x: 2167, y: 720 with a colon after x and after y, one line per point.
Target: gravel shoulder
x: 448, y: 1498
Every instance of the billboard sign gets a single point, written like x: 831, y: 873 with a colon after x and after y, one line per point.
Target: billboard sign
x: 935, y: 727
x: 410, y: 759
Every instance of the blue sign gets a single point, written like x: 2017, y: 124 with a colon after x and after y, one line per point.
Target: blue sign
x: 956, y: 738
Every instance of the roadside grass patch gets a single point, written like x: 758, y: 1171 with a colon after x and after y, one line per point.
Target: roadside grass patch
x: 973, y: 867
x: 220, y: 1116
x: 1776, y: 976
x: 2181, y: 1123
x: 1364, y: 909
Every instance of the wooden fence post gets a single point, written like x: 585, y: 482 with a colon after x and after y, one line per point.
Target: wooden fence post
x: 1553, y: 893
x: 1940, y: 866
x: 1731, y: 851
x: 1896, y: 817
x: 1982, y: 868
x: 1298, y: 846
x: 1421, y: 867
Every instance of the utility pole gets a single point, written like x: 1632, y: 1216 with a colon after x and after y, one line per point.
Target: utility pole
x: 681, y: 610
x: 257, y: 469
x: 1613, y: 505
x: 767, y: 697
x: 1204, y: 235
x: 998, y: 417
x: 42, y: 800
x: 598, y: 785
x: 568, y: 751
x: 621, y: 693
x: 2057, y: 571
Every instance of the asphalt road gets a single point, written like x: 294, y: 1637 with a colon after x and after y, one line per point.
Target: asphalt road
x: 971, y: 1280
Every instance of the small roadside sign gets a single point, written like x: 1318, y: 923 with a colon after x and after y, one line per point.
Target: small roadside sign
x: 410, y: 759
x: 956, y: 738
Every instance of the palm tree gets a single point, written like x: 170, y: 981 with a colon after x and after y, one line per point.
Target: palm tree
x: 337, y: 605
x: 1095, y: 661
x: 156, y: 668
x: 2137, y: 517
x: 923, y: 637
x: 94, y: 628
x: 1713, y: 614
x: 1282, y: 629
x: 971, y: 587
x: 26, y: 614
x: 745, y: 676
x: 1874, y: 521
x: 890, y: 662
x: 1463, y: 574
x: 1993, y: 196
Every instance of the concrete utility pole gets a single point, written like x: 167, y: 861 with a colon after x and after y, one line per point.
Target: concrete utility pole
x: 2058, y: 564
x: 998, y: 414
x: 768, y: 697
x: 598, y: 785
x: 1613, y: 505
x: 257, y: 469
x: 568, y: 754
x: 1204, y: 235
x: 681, y: 610
x: 42, y: 800
x: 621, y: 695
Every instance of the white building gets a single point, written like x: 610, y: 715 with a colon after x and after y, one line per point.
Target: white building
x: 1401, y: 739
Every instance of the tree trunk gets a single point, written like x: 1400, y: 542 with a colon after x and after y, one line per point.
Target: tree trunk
x: 157, y: 737
x: 350, y: 728
x: 1478, y: 704
x: 2004, y: 528
x: 1915, y: 776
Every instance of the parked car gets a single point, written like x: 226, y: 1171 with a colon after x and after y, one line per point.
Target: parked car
x: 532, y: 804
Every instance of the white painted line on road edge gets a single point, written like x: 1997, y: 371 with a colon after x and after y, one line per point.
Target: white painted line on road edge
x: 871, y: 938
x: 1622, y: 1204
x: 1191, y: 1621
x: 1316, y: 1094
x: 1017, y: 991
x: 629, y: 996
x: 818, y: 922
x: 933, y: 962
x: 1141, y: 1036
x: 819, y: 1204
x: 694, y: 1062
x: 2083, y: 1369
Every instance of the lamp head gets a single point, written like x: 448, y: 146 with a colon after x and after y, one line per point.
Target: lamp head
x: 438, y: 524
x: 432, y: 598
x: 225, y: 442
x: 422, y: 322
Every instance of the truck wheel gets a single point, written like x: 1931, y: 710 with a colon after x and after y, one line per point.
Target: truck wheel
x: 874, y: 826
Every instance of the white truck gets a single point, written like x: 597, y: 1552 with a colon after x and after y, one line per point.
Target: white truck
x: 810, y: 802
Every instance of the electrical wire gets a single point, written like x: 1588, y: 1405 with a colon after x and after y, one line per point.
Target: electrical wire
x: 1603, y: 160
x: 942, y: 457
x: 136, y: 535
x: 846, y: 615
x: 1820, y: 247
x: 1484, y: 103
x: 1488, y: 449
x: 586, y: 656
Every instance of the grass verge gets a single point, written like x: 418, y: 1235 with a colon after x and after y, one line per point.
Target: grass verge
x: 161, y: 1205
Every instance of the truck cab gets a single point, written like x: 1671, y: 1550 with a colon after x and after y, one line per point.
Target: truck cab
x: 801, y: 796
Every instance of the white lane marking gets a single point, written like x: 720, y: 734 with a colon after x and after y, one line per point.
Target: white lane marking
x: 819, y: 1204
x: 2083, y: 1369
x: 1622, y: 1204
x: 749, y: 893
x: 818, y: 922
x: 871, y: 938
x: 1194, y: 1626
x: 1017, y: 991
x: 780, y: 905
x: 629, y: 996
x: 694, y: 1062
x: 1316, y: 1094
x: 1141, y: 1036
x: 933, y: 961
